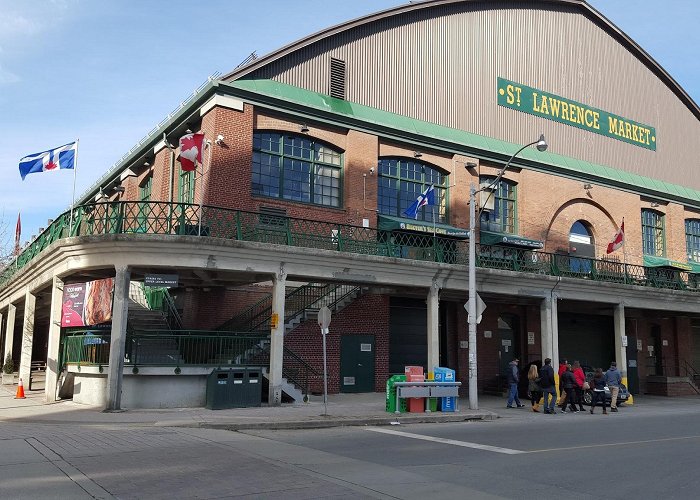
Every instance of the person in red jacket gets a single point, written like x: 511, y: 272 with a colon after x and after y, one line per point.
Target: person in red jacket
x: 562, y: 392
x: 580, y: 379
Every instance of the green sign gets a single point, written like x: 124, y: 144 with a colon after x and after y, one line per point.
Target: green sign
x: 539, y: 103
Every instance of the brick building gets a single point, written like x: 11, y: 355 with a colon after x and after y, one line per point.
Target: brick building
x: 313, y: 155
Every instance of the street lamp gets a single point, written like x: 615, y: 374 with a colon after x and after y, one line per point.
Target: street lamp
x: 471, y: 320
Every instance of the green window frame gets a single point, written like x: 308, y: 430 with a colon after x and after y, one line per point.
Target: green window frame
x: 504, y: 216
x: 296, y: 168
x: 186, y: 187
x: 146, y: 188
x: 653, y: 233
x: 692, y: 239
x: 402, y: 180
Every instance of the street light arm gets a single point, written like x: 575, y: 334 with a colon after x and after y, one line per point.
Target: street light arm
x: 505, y: 167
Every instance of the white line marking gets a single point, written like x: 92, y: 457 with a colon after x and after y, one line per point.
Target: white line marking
x: 452, y: 442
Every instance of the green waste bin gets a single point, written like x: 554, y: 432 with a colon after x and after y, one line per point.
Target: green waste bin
x: 219, y: 384
x: 236, y: 387
x: 391, y: 394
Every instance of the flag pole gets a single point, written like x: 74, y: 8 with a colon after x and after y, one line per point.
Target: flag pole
x: 75, y: 170
x: 207, y: 144
x: 624, y: 248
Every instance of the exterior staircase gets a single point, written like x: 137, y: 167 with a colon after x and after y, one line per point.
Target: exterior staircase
x: 301, y: 304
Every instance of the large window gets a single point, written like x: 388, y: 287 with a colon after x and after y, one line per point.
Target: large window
x: 502, y: 218
x: 401, y: 181
x: 653, y: 239
x: 692, y: 239
x: 296, y: 168
x: 187, y: 187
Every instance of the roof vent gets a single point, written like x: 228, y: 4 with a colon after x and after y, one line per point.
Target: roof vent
x: 337, y: 78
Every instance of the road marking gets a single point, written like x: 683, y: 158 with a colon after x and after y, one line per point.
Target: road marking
x: 624, y: 443
x: 453, y: 442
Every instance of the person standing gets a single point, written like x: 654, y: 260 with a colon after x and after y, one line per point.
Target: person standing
x: 568, y: 382
x: 580, y: 380
x: 598, y: 387
x: 548, y: 386
x: 533, y: 385
x: 513, y: 379
x: 562, y: 393
x: 613, y: 379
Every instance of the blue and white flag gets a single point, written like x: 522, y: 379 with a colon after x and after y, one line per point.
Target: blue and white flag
x: 426, y: 198
x: 59, y: 158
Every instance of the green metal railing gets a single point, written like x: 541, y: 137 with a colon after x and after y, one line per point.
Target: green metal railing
x: 187, y: 219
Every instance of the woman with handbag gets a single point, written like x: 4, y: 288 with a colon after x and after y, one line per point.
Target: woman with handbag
x: 533, y: 387
x: 568, y: 382
x: 580, y: 381
x: 598, y: 387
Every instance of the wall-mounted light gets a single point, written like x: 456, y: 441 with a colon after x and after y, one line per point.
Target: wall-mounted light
x: 471, y: 164
x: 654, y: 204
x: 118, y: 189
x: 587, y: 186
x: 417, y: 154
x: 304, y: 129
x: 219, y: 140
x: 371, y: 170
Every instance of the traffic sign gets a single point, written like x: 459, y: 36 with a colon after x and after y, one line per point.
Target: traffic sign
x: 324, y: 317
x: 480, y: 307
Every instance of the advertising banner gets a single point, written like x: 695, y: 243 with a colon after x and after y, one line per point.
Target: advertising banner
x: 87, y: 304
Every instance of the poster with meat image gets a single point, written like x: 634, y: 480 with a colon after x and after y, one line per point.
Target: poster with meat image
x: 87, y: 304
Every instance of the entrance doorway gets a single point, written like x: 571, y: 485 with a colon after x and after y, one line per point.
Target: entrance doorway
x: 357, y: 363
x: 656, y: 362
x: 509, y: 341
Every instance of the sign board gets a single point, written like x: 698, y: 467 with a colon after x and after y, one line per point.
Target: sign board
x: 480, y: 307
x: 624, y: 341
x: 274, y: 320
x: 506, y: 343
x: 161, y: 280
x: 560, y: 109
x: 639, y: 344
x: 87, y: 304
x: 664, y: 343
x: 464, y: 344
x: 531, y: 338
x: 488, y: 334
x: 324, y: 317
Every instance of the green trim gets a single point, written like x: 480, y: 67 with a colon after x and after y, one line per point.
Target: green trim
x: 344, y: 113
x: 491, y: 238
x: 652, y: 261
x: 694, y: 267
x: 390, y: 223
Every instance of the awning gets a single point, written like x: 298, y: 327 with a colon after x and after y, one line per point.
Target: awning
x: 489, y: 238
x: 389, y: 223
x: 651, y: 261
x: 695, y: 267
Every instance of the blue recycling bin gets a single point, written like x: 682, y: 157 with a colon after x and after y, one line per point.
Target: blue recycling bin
x: 446, y: 375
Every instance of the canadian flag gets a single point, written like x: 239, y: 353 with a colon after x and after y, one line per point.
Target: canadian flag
x: 618, y: 240
x: 191, y: 146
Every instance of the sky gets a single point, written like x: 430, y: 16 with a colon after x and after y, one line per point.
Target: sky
x: 108, y: 71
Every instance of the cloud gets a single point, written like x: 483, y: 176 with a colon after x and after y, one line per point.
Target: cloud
x: 7, y: 76
x: 13, y: 25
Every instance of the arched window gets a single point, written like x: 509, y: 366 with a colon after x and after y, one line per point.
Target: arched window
x: 581, y: 247
x: 503, y: 217
x: 692, y: 239
x: 297, y: 168
x: 653, y: 234
x: 402, y: 180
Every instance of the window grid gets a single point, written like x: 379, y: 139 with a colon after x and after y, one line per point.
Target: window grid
x: 503, y: 217
x: 400, y: 183
x: 187, y: 187
x: 692, y: 239
x: 653, y: 238
x: 146, y: 188
x: 296, y: 168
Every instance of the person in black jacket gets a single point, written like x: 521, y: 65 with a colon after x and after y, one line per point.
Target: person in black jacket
x: 568, y: 382
x: 548, y: 386
x: 513, y: 379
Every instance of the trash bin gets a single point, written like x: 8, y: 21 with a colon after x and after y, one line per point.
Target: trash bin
x: 415, y: 374
x: 447, y: 404
x: 218, y: 389
x: 252, y: 386
x: 236, y: 387
x: 391, y: 394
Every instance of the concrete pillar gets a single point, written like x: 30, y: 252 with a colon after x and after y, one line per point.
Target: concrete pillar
x: 550, y: 332
x: 25, y: 361
x: 2, y: 347
x: 277, y: 338
x: 117, y: 346
x: 621, y: 350
x: 52, y: 352
x: 9, y: 330
x: 433, y: 327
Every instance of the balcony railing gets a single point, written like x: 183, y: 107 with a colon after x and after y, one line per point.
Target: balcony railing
x: 187, y: 219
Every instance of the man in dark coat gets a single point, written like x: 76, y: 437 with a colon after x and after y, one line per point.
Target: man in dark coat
x: 549, y: 388
x: 513, y: 379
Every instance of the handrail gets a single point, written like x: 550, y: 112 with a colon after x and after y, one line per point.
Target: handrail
x: 183, y: 219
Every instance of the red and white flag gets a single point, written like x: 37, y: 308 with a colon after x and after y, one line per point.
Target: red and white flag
x: 191, y: 147
x: 18, y: 233
x: 618, y: 240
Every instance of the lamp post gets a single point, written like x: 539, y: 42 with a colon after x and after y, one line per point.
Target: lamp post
x: 471, y: 320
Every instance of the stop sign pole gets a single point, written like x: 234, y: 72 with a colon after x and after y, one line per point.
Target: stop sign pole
x: 324, y: 319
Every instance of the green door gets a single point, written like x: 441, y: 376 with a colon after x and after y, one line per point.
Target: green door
x: 357, y: 363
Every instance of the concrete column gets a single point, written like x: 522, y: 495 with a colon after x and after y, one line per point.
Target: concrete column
x: 25, y: 361
x: 433, y: 327
x: 9, y: 330
x: 52, y: 352
x: 546, y: 328
x: 620, y: 350
x: 2, y: 347
x: 117, y: 346
x: 555, y: 333
x: 277, y: 338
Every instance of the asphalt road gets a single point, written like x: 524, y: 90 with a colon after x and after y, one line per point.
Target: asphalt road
x: 631, y: 454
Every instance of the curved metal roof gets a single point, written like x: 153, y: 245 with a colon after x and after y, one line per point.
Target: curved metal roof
x: 586, y: 9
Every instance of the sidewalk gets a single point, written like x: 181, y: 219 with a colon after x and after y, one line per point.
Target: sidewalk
x: 343, y: 410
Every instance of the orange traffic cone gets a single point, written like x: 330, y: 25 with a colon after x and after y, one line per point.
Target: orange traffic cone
x: 20, y: 390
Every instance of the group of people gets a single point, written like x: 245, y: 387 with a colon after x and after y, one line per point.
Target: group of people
x: 572, y: 384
